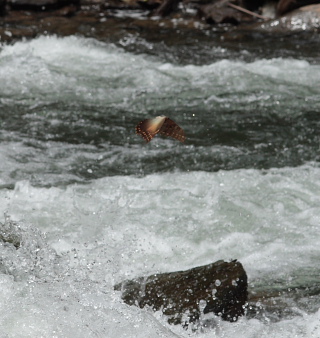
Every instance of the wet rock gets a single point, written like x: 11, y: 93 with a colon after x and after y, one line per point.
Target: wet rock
x: 118, y: 4
x: 221, y: 286
x: 303, y: 19
x: 2, y: 7
x: 10, y: 232
x: 285, y: 6
x: 111, y: 20
x: 253, y: 5
x: 166, y: 7
x: 149, y: 5
x: 223, y: 12
x: 275, y: 299
x: 39, y: 5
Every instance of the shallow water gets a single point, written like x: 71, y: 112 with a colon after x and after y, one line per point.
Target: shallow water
x: 97, y: 205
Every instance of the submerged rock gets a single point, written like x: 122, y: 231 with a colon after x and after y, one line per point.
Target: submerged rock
x: 222, y: 286
x: 10, y: 232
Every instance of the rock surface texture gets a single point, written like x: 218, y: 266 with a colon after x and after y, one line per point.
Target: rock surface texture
x: 220, y: 287
x: 103, y: 19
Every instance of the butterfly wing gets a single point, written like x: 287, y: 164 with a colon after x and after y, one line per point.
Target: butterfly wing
x: 170, y: 128
x: 149, y: 128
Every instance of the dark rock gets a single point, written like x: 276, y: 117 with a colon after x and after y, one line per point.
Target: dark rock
x: 301, y: 20
x: 285, y: 6
x: 222, y: 285
x: 67, y: 11
x: 2, y: 7
x: 150, y: 4
x: 92, y: 21
x: 39, y: 5
x: 112, y: 19
x: 253, y: 5
x: 167, y: 7
x: 118, y: 4
x: 221, y: 12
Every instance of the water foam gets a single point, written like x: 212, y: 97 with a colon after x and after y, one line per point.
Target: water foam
x: 84, y: 70
x: 122, y: 227
x: 245, y: 214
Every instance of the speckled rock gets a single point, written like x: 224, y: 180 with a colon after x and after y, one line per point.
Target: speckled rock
x: 220, y: 287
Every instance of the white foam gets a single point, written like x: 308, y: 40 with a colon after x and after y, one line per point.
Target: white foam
x: 245, y: 214
x: 84, y: 70
x: 122, y: 227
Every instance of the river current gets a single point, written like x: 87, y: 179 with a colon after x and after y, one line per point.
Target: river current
x: 92, y: 204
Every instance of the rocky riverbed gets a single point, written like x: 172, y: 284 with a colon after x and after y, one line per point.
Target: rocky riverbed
x: 113, y: 19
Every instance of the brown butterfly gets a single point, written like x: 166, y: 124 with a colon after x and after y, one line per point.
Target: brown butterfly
x: 149, y: 128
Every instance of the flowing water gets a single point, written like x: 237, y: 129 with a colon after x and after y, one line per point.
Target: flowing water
x: 89, y: 204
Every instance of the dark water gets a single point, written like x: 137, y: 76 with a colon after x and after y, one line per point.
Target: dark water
x: 238, y: 138
x: 248, y: 103
x: 192, y: 47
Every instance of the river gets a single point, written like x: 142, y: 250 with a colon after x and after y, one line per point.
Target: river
x: 95, y: 204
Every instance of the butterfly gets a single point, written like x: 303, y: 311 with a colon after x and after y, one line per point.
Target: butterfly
x: 149, y: 128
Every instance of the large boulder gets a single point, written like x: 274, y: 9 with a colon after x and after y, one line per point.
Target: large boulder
x: 221, y: 286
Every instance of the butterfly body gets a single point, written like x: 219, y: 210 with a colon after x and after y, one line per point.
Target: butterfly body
x: 149, y: 128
